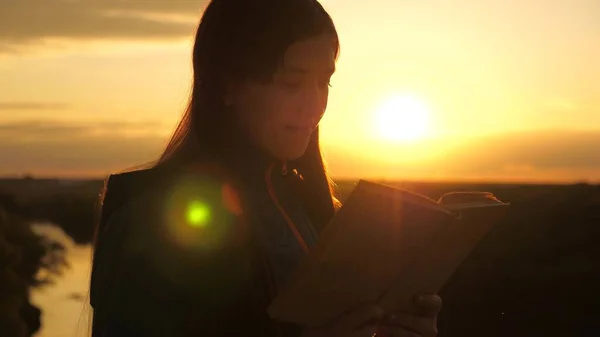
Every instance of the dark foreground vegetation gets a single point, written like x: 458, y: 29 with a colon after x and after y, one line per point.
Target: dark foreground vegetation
x: 536, y: 274
x: 26, y: 261
x: 70, y: 204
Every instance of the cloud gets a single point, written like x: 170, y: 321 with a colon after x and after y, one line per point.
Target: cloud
x: 558, y: 150
x: 52, y: 130
x: 27, y: 130
x: 59, y: 148
x: 33, y: 21
x: 53, y: 148
x: 11, y: 106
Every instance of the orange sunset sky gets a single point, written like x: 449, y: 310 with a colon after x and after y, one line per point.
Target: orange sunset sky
x: 476, y: 89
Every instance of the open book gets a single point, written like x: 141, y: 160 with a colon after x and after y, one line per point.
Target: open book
x: 385, y: 245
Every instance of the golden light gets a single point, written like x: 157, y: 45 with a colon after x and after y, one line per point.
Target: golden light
x: 402, y: 118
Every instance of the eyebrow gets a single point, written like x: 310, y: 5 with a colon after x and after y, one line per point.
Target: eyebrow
x: 300, y: 70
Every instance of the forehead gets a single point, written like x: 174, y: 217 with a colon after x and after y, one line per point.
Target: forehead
x: 311, y: 55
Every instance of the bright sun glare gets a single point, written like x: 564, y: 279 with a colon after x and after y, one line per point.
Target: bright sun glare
x: 402, y: 119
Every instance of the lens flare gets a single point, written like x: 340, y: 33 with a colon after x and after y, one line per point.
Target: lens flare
x: 198, y: 214
x: 231, y: 199
x: 201, y: 213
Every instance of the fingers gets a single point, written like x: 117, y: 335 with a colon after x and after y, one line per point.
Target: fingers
x: 361, y: 316
x: 365, y: 331
x: 428, y: 305
x: 360, y: 322
x: 396, y: 332
x: 421, y: 325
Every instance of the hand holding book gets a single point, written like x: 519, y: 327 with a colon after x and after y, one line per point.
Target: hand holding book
x: 384, y: 246
x: 371, y: 320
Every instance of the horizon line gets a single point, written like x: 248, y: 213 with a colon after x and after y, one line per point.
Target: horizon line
x: 449, y: 180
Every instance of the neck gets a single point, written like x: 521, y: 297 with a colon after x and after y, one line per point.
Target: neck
x: 246, y: 157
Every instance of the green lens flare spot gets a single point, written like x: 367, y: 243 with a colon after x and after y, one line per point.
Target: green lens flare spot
x: 198, y: 214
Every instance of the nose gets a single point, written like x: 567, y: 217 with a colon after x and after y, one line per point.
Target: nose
x: 315, y: 102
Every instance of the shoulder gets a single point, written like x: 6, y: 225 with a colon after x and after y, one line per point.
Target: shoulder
x: 171, y: 220
x: 163, y: 189
x: 192, y: 209
x: 174, y: 196
x: 119, y: 188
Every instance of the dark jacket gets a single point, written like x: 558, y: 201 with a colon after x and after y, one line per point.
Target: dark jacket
x: 174, y: 257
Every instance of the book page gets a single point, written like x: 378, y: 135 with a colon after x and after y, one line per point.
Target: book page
x: 457, y: 201
x: 430, y: 270
x: 373, y: 237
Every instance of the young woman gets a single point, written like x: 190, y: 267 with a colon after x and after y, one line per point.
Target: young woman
x: 198, y: 244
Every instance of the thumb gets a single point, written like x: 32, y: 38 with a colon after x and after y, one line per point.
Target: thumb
x: 363, y: 315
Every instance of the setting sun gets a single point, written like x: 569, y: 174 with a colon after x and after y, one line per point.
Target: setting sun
x: 402, y: 118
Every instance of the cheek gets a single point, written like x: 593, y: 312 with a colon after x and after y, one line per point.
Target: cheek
x: 300, y: 108
x: 255, y: 111
x: 324, y: 101
x: 279, y: 108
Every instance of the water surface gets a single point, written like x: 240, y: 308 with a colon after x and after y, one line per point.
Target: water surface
x: 64, y: 305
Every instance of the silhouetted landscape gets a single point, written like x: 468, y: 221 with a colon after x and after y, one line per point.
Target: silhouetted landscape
x: 535, y: 274
x: 27, y: 261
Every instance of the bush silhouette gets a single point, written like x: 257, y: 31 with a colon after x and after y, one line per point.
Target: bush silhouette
x: 26, y: 260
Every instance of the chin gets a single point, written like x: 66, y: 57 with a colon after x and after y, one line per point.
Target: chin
x: 295, y: 156
x: 292, y: 152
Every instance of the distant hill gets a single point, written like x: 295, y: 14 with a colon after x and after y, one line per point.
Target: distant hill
x: 71, y: 204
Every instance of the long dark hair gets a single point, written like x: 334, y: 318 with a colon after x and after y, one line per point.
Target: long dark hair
x: 241, y: 40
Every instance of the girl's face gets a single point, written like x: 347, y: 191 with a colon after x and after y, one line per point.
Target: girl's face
x: 280, y: 116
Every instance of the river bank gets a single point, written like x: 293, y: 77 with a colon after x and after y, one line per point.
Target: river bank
x: 64, y: 304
